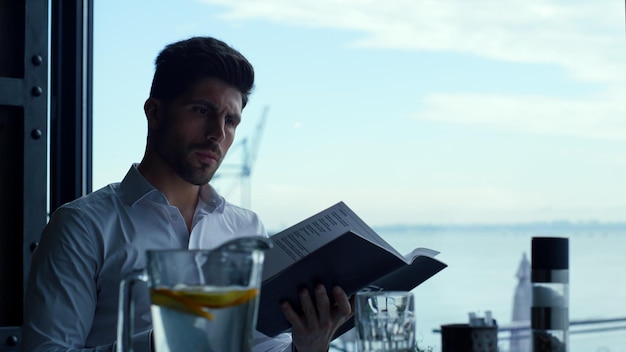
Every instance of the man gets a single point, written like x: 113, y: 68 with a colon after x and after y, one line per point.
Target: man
x: 199, y: 89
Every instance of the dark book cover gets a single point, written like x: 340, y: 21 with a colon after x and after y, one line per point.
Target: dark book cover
x: 349, y: 261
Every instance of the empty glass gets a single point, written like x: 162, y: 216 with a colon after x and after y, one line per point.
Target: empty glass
x: 385, y: 321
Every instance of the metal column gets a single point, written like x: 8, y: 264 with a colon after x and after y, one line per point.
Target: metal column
x: 71, y: 97
x: 25, y: 95
x: 23, y: 152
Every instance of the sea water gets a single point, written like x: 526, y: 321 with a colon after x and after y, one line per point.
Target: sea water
x: 481, y: 275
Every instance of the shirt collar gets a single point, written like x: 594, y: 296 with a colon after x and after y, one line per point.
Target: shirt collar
x: 212, y: 201
x: 136, y: 188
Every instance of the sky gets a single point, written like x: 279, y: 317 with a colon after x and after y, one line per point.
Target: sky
x: 410, y: 111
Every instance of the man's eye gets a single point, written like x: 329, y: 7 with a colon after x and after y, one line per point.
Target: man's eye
x: 231, y: 121
x: 200, y: 110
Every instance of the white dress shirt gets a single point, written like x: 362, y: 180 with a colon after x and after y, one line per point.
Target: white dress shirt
x: 94, y: 242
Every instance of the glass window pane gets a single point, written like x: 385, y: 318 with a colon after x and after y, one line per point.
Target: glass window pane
x: 463, y: 126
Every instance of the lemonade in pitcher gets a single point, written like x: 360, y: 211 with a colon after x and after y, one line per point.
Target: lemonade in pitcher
x: 201, y: 300
x: 204, y: 318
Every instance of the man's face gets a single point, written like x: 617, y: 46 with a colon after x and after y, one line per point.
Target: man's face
x: 195, y: 131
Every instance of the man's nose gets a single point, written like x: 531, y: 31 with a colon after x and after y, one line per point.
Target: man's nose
x: 216, y: 129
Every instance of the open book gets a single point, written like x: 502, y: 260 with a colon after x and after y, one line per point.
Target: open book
x: 336, y: 248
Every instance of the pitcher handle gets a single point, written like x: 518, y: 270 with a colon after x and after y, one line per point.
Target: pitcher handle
x: 126, y: 311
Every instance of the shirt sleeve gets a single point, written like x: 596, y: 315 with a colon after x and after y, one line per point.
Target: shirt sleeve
x: 141, y: 342
x: 61, y: 297
x: 279, y: 343
x: 61, y: 294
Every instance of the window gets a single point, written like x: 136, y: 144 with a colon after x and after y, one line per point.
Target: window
x: 466, y: 127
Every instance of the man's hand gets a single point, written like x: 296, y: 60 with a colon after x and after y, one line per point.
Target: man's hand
x: 313, y: 331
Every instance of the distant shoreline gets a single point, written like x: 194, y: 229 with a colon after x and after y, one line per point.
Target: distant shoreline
x: 548, y: 226
x: 545, y: 228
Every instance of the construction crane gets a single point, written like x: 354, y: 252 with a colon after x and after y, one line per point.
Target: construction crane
x: 239, y: 173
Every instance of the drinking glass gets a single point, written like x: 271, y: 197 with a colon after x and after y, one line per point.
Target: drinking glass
x: 385, y: 321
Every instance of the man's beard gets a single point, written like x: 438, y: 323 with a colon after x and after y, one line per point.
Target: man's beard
x: 176, y: 157
x: 196, y: 175
x: 191, y: 174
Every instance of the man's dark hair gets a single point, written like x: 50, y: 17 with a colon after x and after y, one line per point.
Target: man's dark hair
x: 182, y: 64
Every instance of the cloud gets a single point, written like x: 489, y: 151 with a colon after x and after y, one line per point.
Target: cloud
x: 600, y: 117
x: 584, y: 37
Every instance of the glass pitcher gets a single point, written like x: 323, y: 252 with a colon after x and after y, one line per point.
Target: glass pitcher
x: 201, y: 300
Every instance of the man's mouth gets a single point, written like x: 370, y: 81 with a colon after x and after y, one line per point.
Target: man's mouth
x: 208, y: 158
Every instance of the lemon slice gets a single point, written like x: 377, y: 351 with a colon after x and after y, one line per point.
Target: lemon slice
x: 219, y: 299
x: 169, y: 299
x: 196, y: 302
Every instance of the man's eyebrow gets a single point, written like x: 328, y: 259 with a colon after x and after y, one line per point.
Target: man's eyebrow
x: 213, y: 108
x: 235, y: 116
x: 207, y: 104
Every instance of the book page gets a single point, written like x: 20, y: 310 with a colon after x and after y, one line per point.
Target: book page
x: 420, y: 251
x: 297, y: 241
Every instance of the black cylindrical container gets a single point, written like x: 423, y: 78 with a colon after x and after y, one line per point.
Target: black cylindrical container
x: 550, y: 285
x: 466, y: 338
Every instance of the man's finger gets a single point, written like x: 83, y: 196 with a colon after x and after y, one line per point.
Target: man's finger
x: 291, y: 316
x: 344, y: 307
x: 310, y: 314
x: 323, y: 305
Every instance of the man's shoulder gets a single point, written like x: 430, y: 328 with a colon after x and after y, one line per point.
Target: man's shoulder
x: 232, y: 209
x: 101, y: 200
x: 240, y: 217
x: 84, y: 216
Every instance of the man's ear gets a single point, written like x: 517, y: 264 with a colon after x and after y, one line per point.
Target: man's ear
x: 152, y: 108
